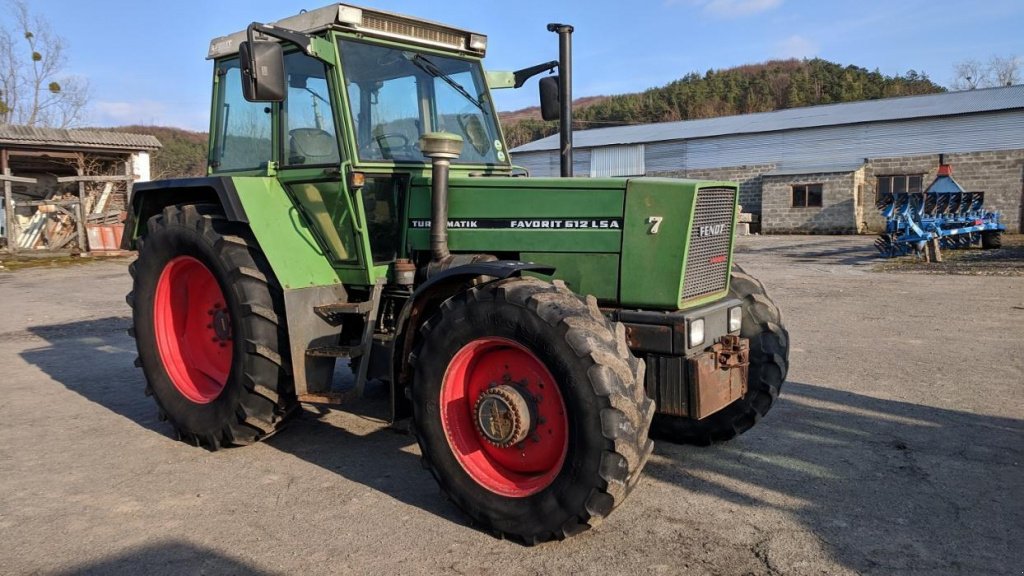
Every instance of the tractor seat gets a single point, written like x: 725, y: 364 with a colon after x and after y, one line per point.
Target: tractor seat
x: 312, y: 146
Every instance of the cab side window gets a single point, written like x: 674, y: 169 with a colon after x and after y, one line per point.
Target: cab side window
x: 310, y: 137
x: 243, y: 128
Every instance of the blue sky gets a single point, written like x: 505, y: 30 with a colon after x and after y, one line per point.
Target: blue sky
x: 145, y: 61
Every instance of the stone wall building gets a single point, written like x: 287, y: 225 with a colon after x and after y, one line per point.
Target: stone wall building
x: 818, y: 169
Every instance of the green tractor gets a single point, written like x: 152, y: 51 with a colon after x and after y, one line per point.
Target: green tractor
x: 361, y: 204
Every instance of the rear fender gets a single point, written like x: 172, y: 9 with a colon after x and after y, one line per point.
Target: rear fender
x: 301, y: 267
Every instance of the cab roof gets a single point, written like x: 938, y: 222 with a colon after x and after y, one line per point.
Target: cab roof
x: 376, y: 23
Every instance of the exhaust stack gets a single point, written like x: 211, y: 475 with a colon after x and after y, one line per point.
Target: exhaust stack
x: 564, y: 32
x: 441, y: 148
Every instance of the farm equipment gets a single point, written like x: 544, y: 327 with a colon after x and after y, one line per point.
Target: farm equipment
x: 361, y: 205
x: 944, y: 212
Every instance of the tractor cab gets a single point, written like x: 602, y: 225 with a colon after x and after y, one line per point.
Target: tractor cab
x: 336, y: 111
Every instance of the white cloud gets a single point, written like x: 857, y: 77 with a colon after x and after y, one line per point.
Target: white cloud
x: 732, y: 8
x: 796, y: 47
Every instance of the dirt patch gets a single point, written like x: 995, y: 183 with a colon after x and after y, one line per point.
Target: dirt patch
x: 9, y: 263
x: 1005, y: 261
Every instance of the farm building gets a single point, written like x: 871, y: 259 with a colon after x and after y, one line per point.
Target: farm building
x: 68, y: 188
x: 817, y: 169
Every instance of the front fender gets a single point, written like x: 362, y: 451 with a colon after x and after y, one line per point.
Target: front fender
x: 428, y: 298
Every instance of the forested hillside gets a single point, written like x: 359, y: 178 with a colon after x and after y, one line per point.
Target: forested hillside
x: 183, y: 153
x: 773, y: 85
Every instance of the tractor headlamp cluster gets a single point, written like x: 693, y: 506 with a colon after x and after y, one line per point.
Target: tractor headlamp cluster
x: 735, y: 318
x: 696, y: 332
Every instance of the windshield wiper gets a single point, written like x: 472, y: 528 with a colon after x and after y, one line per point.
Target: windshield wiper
x: 429, y: 67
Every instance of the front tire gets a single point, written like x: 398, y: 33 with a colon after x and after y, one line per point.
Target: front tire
x: 769, y: 362
x: 208, y: 319
x: 584, y: 412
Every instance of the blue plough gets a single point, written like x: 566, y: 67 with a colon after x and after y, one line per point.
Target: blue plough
x: 956, y: 218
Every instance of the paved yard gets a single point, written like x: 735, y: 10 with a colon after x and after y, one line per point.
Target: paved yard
x: 896, y: 448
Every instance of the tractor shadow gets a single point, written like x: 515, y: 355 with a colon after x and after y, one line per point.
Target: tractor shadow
x: 886, y: 486
x: 843, y: 251
x: 170, y: 557
x: 95, y: 359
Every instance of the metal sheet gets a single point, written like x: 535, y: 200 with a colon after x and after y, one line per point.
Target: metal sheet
x: 617, y: 161
x: 836, y: 145
x: 882, y: 110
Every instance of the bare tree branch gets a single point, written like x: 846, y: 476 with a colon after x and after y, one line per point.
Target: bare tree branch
x: 968, y: 75
x: 1005, y: 71
x: 34, y: 91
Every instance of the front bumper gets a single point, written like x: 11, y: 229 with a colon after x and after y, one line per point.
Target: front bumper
x: 689, y: 381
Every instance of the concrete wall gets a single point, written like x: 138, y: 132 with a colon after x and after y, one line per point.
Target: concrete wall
x: 836, y: 215
x: 1000, y: 175
x: 748, y: 177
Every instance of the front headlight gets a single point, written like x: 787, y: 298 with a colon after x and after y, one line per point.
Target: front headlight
x: 696, y: 332
x: 735, y: 318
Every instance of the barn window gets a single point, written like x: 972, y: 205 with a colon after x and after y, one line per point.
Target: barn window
x: 807, y: 196
x: 899, y: 184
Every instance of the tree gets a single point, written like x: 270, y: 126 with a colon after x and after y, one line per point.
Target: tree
x: 34, y: 91
x: 1005, y: 71
x: 1000, y: 71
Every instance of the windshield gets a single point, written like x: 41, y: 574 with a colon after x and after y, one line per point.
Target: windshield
x: 397, y: 94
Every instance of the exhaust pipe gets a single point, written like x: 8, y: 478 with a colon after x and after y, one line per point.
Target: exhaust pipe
x: 441, y: 148
x: 564, y: 32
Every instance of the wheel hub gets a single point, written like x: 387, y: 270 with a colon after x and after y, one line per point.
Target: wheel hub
x: 502, y: 416
x: 221, y: 323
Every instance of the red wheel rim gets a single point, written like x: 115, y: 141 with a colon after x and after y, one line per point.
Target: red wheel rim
x: 531, y: 465
x: 193, y: 329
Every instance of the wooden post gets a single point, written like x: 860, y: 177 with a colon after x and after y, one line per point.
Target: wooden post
x: 9, y: 217
x: 936, y: 251
x: 83, y: 246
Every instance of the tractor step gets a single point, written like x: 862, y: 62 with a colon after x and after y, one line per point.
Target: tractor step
x: 345, y: 308
x: 336, y: 351
x: 326, y: 398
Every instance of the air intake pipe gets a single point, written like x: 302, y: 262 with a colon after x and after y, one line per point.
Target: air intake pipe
x: 441, y: 148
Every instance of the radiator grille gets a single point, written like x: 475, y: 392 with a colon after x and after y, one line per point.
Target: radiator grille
x: 707, y: 265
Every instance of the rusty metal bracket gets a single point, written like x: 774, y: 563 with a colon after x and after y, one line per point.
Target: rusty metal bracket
x: 718, y: 377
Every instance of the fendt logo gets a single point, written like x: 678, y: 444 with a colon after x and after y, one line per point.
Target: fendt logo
x: 711, y: 230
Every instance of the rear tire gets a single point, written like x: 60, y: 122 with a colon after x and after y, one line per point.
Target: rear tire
x: 991, y: 239
x: 208, y: 319
x: 589, y: 445
x: 769, y: 362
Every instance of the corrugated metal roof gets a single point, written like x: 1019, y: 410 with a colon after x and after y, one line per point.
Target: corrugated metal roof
x: 32, y: 136
x: 886, y: 109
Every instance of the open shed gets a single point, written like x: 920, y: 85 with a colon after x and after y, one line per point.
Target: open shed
x: 67, y: 189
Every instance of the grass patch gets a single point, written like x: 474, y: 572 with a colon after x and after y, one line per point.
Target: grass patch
x: 10, y: 263
x: 1005, y: 261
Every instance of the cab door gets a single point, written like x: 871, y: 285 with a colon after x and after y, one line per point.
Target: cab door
x: 310, y: 167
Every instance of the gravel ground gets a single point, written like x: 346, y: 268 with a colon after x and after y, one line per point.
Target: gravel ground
x: 895, y: 448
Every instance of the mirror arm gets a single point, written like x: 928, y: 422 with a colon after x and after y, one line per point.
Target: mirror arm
x: 303, y: 41
x: 521, y: 76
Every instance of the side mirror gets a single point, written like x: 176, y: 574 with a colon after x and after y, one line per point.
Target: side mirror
x: 262, y: 71
x: 549, y: 108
